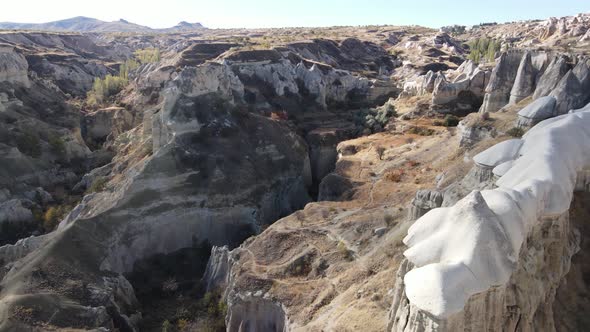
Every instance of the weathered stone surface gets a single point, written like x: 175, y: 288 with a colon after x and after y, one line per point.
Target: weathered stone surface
x: 524, y: 304
x: 333, y: 188
x: 106, y: 123
x: 14, y: 212
x: 501, y: 81
x: 524, y: 83
x: 216, y: 274
x: 556, y: 69
x: 572, y: 92
x: 13, y: 66
x: 464, y: 95
x: 424, y: 201
x: 537, y: 111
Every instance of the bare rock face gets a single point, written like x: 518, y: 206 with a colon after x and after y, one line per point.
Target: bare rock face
x: 537, y: 111
x: 106, y: 123
x: 501, y: 81
x: 556, y: 69
x: 462, y: 96
x: 526, y: 303
x: 255, y: 313
x: 572, y: 92
x: 13, y: 66
x: 524, y: 83
x: 473, y: 129
x: 216, y: 174
x: 217, y: 272
x: 424, y: 201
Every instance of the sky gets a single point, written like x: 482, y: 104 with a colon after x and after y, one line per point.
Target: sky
x: 295, y: 13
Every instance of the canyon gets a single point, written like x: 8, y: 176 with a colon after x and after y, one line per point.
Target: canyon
x: 375, y: 178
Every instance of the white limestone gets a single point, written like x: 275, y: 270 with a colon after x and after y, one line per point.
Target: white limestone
x: 466, y: 249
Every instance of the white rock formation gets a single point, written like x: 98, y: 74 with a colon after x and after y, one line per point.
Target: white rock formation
x: 537, y: 111
x: 466, y: 249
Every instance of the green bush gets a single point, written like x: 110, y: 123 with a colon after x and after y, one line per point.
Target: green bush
x: 58, y: 145
x: 53, y: 216
x: 97, y: 185
x: 421, y: 131
x: 515, y: 132
x: 148, y: 55
x: 103, y: 88
x: 28, y: 143
x: 451, y: 121
x: 126, y: 67
x: 484, y: 49
x: 375, y: 118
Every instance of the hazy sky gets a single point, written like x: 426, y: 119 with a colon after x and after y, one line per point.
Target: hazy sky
x: 273, y: 13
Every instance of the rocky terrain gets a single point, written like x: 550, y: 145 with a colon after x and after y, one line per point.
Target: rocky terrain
x: 330, y: 179
x: 87, y: 24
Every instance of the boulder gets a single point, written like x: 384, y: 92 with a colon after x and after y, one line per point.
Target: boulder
x: 537, y: 111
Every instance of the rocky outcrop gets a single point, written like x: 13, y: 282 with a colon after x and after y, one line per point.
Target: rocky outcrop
x: 501, y: 81
x: 525, y: 303
x: 255, y: 313
x: 537, y: 111
x: 13, y: 66
x: 556, y: 69
x: 107, y: 123
x: 572, y: 92
x: 492, y: 291
x: 216, y: 275
x: 421, y: 85
x: 524, y: 83
x: 424, y: 201
x: 464, y: 95
x: 474, y: 128
x: 177, y: 197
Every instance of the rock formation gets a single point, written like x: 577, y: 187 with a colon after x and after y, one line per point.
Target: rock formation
x: 542, y: 196
x: 501, y: 81
x: 537, y: 111
x: 556, y: 69
x: 464, y: 95
x: 524, y: 83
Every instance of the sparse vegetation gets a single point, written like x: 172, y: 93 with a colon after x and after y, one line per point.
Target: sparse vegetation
x: 422, y: 131
x: 148, y: 55
x: 97, y: 185
x: 394, y: 175
x: 53, y: 216
x: 375, y: 119
x: 389, y: 220
x: 28, y: 143
x: 515, y: 132
x: 128, y: 66
x: 102, y: 88
x: 343, y: 250
x: 451, y: 121
x: 58, y: 145
x: 484, y: 49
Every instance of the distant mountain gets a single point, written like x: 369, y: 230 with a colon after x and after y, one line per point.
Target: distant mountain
x: 87, y: 24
